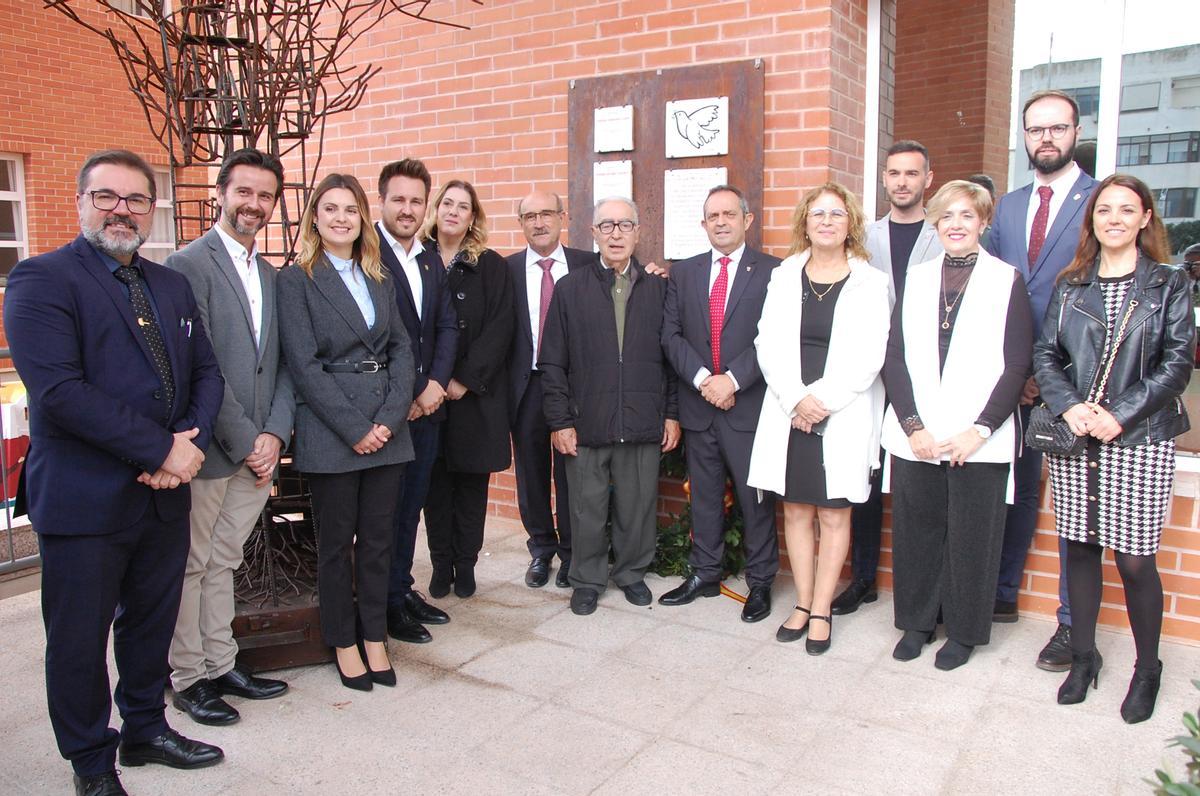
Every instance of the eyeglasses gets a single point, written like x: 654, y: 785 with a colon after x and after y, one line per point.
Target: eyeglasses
x: 607, y: 227
x: 137, y: 203
x: 1056, y: 131
x: 544, y: 216
x: 836, y: 214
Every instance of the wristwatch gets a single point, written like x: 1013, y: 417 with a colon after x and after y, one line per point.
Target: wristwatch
x: 983, y: 431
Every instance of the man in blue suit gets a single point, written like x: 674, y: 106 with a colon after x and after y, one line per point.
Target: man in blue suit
x: 1036, y: 230
x: 123, y: 393
x: 423, y: 293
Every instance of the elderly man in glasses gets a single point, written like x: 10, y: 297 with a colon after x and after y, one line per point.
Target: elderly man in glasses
x: 610, y: 402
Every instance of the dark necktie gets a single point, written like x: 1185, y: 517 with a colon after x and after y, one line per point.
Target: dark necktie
x: 151, y: 332
x: 716, y: 311
x: 547, y: 291
x: 1037, y: 235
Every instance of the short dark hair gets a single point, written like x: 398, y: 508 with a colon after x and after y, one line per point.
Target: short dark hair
x: 115, y: 157
x: 250, y: 157
x: 1037, y: 96
x: 984, y: 181
x: 728, y: 189
x: 907, y: 145
x: 409, y: 167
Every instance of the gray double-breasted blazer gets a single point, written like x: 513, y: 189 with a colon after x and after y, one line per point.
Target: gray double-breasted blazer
x: 258, y: 391
x: 321, y: 324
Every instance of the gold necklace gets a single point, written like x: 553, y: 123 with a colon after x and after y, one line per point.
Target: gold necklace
x: 813, y: 288
x: 949, y: 306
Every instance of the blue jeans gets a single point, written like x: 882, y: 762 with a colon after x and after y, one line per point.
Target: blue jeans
x: 410, y: 499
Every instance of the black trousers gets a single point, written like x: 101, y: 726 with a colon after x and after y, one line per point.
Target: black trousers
x: 948, y: 528
x: 866, y: 530
x: 533, y: 455
x: 136, y: 576
x: 354, y: 514
x: 711, y: 454
x: 455, y: 510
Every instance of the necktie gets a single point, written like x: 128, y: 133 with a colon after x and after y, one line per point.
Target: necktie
x: 716, y: 311
x: 151, y: 333
x: 1037, y: 235
x: 547, y: 292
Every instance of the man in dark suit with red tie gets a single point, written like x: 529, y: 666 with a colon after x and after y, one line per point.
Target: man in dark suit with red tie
x: 124, y: 390
x: 535, y: 270
x: 423, y: 295
x: 714, y: 301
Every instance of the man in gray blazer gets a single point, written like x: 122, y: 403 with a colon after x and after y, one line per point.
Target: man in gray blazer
x: 235, y: 292
x: 900, y: 239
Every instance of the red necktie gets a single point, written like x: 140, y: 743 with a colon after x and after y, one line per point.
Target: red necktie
x: 716, y: 311
x: 547, y: 292
x: 1037, y: 235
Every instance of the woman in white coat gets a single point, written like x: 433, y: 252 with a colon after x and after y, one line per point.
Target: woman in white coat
x: 958, y: 356
x: 821, y: 343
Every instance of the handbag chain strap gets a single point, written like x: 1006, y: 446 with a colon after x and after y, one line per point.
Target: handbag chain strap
x: 1119, y: 338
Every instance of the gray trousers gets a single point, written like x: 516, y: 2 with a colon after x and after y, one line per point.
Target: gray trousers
x: 632, y: 470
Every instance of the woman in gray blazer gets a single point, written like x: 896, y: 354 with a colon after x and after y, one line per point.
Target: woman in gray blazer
x: 349, y: 356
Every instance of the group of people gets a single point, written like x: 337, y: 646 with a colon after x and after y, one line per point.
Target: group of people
x: 404, y: 361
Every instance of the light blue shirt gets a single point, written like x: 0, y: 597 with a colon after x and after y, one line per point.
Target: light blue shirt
x: 356, y: 282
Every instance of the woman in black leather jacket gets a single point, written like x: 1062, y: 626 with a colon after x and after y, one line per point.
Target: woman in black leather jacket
x: 1117, y: 292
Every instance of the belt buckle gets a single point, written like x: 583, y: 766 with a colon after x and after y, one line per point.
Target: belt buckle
x: 368, y: 366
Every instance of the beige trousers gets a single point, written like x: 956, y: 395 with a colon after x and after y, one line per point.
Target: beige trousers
x: 224, y: 511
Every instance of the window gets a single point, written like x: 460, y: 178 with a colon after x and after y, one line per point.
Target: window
x: 1142, y: 150
x: 162, y: 235
x: 1177, y: 202
x: 1140, y: 97
x: 1088, y: 99
x: 1185, y: 92
x: 137, y: 8
x: 14, y: 239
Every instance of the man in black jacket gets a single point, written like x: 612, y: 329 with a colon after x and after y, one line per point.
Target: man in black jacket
x: 610, y: 402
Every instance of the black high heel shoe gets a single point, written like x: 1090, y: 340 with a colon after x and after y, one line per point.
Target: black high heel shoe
x: 1085, y: 671
x: 387, y: 677
x: 815, y: 647
x: 1143, y: 693
x: 912, y: 643
x: 786, y: 634
x: 360, y: 682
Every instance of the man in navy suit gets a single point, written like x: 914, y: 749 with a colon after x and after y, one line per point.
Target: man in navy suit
x: 535, y: 270
x: 720, y: 396
x: 423, y: 294
x: 1036, y: 230
x: 124, y: 390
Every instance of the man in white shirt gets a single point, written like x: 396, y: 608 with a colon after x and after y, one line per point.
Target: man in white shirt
x: 235, y: 292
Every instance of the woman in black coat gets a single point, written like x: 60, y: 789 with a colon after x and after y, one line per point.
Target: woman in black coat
x: 475, y: 440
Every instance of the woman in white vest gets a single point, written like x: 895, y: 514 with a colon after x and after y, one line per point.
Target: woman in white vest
x: 821, y: 342
x: 959, y: 353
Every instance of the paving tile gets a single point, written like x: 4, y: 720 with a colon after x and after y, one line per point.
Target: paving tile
x: 643, y: 698
x: 671, y: 767
x: 535, y: 667
x: 866, y: 757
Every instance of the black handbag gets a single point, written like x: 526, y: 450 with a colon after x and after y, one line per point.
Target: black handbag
x: 1048, y: 432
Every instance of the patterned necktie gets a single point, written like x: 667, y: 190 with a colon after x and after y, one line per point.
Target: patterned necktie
x: 151, y: 333
x: 1037, y: 235
x: 716, y: 311
x: 544, y: 303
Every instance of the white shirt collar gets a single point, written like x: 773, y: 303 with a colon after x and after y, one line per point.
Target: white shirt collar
x: 338, y: 263
x: 1060, y: 185
x: 397, y: 247
x: 734, y: 256
x: 532, y: 257
x: 237, y: 251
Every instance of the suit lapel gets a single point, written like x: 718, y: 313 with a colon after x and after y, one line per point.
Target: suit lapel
x: 1071, y: 208
x: 266, y: 277
x: 920, y: 250
x: 168, y: 321
x: 329, y: 282
x: 403, y: 288
x: 225, y: 265
x: 746, y: 266
x: 379, y: 298
x: 1019, y: 233
x: 520, y: 292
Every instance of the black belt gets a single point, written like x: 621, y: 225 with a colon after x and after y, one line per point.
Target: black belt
x: 366, y: 366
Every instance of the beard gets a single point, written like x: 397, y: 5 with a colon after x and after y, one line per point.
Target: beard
x: 108, y: 242
x: 914, y: 199
x: 231, y: 218
x: 1053, y: 164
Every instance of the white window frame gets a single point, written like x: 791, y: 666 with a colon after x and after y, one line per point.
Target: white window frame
x: 157, y: 250
x: 17, y: 196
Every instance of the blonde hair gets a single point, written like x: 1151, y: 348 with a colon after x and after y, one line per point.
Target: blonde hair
x: 856, y: 233
x: 475, y: 241
x: 366, y: 247
x: 951, y: 192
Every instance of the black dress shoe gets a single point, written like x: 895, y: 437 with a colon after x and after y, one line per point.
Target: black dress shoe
x: 403, y: 627
x: 1056, y: 655
x: 583, y: 601
x: 422, y: 611
x: 1005, y: 612
x: 638, y: 593
x: 538, y: 573
x: 203, y: 703
x: 952, y: 655
x: 238, y: 682
x: 563, y: 579
x: 385, y: 677
x: 819, y: 646
x: 106, y: 784
x: 464, y: 580
x: 787, y: 634
x: 854, y: 595
x: 912, y: 643
x: 170, y: 749
x: 1143, y: 693
x: 359, y: 682
x: 439, y: 582
x: 758, y: 604
x: 1085, y: 671
x: 689, y: 590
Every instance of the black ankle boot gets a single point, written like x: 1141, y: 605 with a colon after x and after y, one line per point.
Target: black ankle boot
x: 1143, y: 693
x: 1085, y: 671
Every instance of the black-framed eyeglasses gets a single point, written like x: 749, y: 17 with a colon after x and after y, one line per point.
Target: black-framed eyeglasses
x: 544, y: 216
x: 138, y: 204
x: 1056, y: 131
x: 607, y: 227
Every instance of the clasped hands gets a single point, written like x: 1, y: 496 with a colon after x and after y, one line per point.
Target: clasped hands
x: 1092, y: 419
x: 960, y: 447
x: 180, y: 466
x: 808, y: 413
x: 429, y: 401
x: 719, y: 391
x: 373, y: 440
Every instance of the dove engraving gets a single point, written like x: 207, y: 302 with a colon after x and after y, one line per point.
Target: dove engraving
x: 695, y: 126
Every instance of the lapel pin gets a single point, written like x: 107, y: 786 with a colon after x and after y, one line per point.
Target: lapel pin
x: 747, y: 269
x: 1077, y: 197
